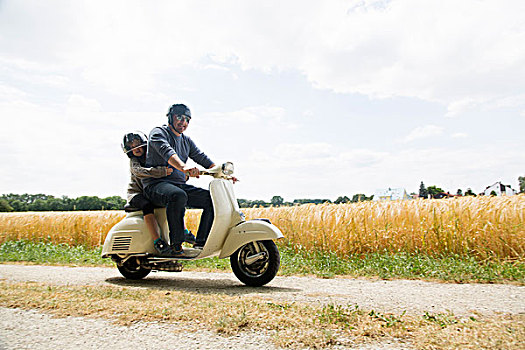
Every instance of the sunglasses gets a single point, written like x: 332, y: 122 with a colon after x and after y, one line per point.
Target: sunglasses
x: 183, y: 117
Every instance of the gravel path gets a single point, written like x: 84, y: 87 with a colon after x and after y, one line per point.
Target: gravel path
x: 414, y: 297
x: 20, y: 329
x: 28, y: 329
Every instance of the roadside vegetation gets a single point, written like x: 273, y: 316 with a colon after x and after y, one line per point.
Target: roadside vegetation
x: 293, y: 325
x: 485, y: 228
x: 301, y: 262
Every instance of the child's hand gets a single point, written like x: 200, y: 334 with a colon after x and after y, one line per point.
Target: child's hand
x: 168, y: 170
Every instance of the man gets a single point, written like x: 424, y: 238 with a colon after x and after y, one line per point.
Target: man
x: 169, y: 146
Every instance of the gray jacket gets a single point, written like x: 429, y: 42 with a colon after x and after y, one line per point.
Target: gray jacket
x: 162, y: 144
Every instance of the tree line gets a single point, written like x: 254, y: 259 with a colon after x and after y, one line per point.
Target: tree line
x: 278, y: 201
x: 437, y: 192
x: 44, y: 202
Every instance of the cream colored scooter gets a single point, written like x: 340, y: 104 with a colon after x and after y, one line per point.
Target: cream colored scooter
x: 254, y: 257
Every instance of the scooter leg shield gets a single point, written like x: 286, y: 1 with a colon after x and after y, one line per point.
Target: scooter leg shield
x: 246, y: 232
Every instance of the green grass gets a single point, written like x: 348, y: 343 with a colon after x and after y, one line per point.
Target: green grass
x: 401, y: 265
x: 49, y: 253
x: 302, y: 262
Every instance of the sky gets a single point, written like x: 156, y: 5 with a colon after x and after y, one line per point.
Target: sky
x: 309, y: 99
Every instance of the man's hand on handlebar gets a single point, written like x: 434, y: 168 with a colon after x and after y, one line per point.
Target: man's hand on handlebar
x: 192, y: 172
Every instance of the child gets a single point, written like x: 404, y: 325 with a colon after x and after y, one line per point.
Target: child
x: 134, y: 145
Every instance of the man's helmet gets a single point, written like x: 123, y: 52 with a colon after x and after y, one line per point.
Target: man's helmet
x: 133, y: 140
x: 178, y: 109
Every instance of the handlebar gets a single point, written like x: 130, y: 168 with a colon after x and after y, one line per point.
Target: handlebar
x: 214, y: 174
x: 223, y: 171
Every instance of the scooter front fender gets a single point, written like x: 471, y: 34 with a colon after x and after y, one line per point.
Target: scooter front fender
x: 246, y: 232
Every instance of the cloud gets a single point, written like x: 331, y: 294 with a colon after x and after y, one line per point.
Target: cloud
x: 458, y: 107
x: 10, y: 93
x: 253, y: 115
x: 320, y: 155
x: 325, y: 171
x: 80, y: 103
x: 459, y: 135
x: 311, y: 152
x: 65, y: 149
x: 362, y: 157
x: 249, y: 115
x: 423, y: 132
x: 459, y: 54
x: 77, y: 75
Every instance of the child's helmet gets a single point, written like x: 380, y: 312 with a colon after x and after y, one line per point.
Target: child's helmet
x: 133, y: 140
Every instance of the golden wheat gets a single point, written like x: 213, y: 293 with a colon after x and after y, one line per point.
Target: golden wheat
x: 72, y: 227
x: 486, y: 227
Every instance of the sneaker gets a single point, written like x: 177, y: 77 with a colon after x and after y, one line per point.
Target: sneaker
x: 199, y: 246
x: 189, y: 253
x: 189, y: 237
x: 177, y: 251
x: 162, y: 248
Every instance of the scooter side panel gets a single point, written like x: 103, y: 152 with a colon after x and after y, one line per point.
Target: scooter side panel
x: 128, y: 236
x: 246, y: 232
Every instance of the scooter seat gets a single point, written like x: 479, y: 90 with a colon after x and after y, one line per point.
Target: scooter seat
x: 129, y: 209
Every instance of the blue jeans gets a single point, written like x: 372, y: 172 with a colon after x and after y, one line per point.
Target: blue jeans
x: 175, y: 197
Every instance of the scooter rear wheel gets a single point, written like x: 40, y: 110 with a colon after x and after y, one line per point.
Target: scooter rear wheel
x: 256, y: 263
x: 133, y: 270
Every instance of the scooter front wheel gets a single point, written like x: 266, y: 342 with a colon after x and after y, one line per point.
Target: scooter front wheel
x: 256, y: 263
x: 132, y: 269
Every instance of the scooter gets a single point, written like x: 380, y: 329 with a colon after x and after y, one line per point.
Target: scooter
x: 249, y: 244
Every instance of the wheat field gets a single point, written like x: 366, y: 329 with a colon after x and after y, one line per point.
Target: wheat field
x: 484, y: 227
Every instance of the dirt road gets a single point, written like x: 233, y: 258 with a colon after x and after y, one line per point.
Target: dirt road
x: 413, y: 297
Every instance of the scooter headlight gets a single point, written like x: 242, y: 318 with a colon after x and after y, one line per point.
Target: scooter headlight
x: 227, y: 168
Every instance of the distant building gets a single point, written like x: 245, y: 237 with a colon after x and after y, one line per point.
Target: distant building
x: 391, y: 194
x: 500, y: 190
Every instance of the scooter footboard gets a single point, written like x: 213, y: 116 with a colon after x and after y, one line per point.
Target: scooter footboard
x: 246, y: 232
